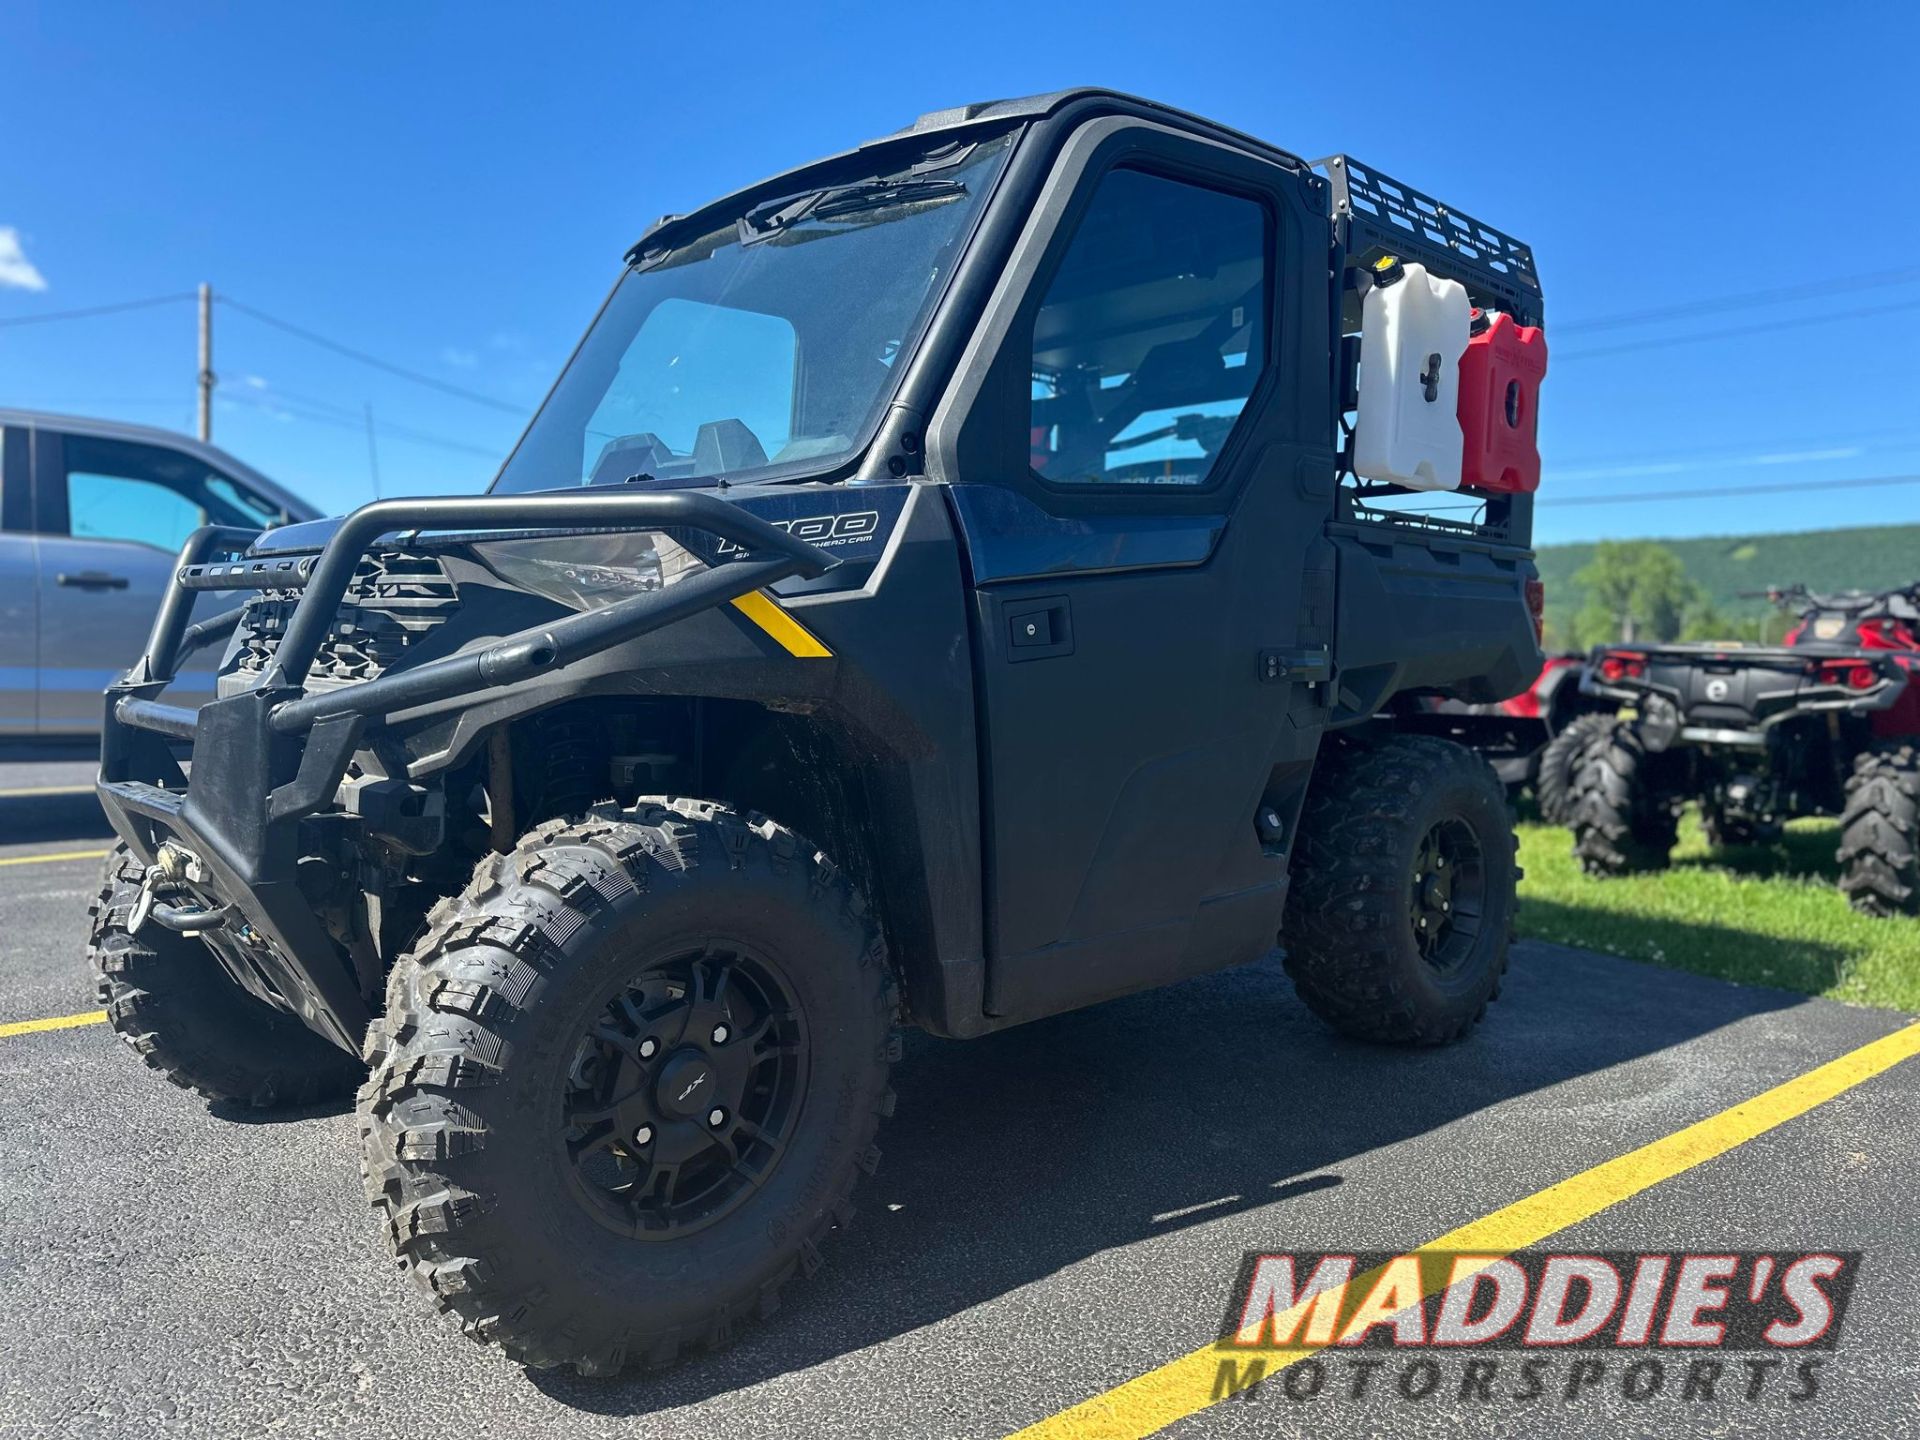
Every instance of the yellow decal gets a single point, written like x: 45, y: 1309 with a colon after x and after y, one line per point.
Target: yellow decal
x: 793, y: 637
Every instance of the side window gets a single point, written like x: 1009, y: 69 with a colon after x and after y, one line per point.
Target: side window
x: 1151, y: 335
x: 119, y: 507
x: 16, y: 510
x: 122, y: 490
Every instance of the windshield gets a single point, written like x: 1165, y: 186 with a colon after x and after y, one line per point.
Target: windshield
x: 769, y: 341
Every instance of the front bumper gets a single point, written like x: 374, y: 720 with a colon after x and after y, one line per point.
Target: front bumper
x: 267, y: 760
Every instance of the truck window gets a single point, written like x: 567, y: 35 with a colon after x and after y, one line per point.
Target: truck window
x: 1151, y: 335
x: 121, y: 490
x: 118, y: 507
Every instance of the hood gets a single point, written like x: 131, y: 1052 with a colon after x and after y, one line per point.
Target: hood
x: 307, y: 535
x: 301, y: 535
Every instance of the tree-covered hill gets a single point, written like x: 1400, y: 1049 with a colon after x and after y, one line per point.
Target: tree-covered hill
x: 1866, y: 558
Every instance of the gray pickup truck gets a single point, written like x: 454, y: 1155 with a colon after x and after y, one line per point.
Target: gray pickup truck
x: 92, y: 514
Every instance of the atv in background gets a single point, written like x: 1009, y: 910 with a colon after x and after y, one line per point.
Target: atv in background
x: 1534, y: 740
x: 1825, y: 724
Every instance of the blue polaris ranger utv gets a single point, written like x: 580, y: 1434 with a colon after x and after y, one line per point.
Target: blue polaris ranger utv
x: 937, y: 593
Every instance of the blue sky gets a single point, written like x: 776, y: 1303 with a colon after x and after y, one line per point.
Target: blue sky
x: 451, y: 188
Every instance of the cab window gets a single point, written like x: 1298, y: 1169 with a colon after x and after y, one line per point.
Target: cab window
x: 1151, y: 335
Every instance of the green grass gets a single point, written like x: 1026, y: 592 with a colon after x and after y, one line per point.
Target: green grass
x: 1764, y: 915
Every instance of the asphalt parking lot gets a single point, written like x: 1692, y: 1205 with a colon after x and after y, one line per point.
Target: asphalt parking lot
x: 1061, y: 1209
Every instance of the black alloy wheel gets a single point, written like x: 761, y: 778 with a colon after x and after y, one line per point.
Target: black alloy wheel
x: 684, y: 1092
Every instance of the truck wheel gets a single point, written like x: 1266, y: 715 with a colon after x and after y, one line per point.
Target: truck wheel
x: 1403, y: 890
x: 167, y: 997
x: 1622, y: 823
x: 1560, y: 765
x: 1879, y: 829
x: 626, y: 1082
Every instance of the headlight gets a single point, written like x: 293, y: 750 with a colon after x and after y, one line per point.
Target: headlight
x: 585, y: 572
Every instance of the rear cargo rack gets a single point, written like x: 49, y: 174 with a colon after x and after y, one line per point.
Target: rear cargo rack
x: 1425, y: 521
x: 1382, y: 216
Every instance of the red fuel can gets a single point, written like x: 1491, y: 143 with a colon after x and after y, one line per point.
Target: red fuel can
x: 1500, y: 376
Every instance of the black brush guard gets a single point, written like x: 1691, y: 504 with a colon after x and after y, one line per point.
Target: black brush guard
x: 272, y: 755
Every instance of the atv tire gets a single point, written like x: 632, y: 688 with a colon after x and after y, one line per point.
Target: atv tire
x: 1880, y: 832
x: 1560, y: 764
x: 1397, y: 926
x: 527, y: 1133
x: 169, y: 1000
x: 1622, y: 822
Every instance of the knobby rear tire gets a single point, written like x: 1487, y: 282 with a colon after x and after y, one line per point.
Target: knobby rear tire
x: 1349, y: 935
x: 1623, y: 821
x: 1880, y: 832
x: 1560, y: 764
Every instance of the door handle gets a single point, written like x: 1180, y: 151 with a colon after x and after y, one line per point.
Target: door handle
x: 1039, y: 628
x: 93, y: 580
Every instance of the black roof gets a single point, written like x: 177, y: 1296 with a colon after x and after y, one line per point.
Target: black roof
x: 981, y: 115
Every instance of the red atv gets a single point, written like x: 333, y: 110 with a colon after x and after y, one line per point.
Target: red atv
x: 1536, y: 738
x: 1827, y: 723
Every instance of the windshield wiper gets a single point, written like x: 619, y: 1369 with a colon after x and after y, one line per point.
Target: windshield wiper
x: 840, y: 200
x: 873, y: 194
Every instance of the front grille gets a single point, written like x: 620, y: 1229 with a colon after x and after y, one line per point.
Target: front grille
x: 393, y: 603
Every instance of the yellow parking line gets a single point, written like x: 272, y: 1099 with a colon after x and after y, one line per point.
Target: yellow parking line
x: 50, y: 859
x: 57, y: 1022
x: 1187, y: 1385
x: 22, y: 791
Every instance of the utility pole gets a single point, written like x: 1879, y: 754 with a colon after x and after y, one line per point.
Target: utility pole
x: 206, y: 363
x: 373, y: 452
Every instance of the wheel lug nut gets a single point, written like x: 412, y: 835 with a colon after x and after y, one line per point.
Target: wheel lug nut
x: 720, y: 1033
x: 716, y: 1117
x: 643, y: 1136
x: 648, y: 1048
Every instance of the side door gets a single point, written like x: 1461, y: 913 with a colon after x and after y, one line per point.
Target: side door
x: 1143, y: 475
x: 19, y: 599
x: 111, y: 516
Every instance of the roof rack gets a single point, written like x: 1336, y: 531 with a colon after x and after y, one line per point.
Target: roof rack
x: 1383, y: 217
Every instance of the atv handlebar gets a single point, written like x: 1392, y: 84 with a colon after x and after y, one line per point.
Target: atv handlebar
x: 1798, y: 595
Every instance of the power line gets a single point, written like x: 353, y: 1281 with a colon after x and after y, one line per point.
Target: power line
x: 1810, y: 290
x: 278, y: 392
x: 375, y: 361
x: 90, y: 311
x: 58, y: 400
x: 1827, y: 438
x: 1763, y: 328
x: 1863, y: 482
x: 271, y: 403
